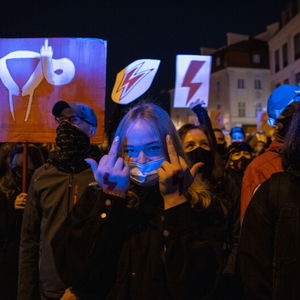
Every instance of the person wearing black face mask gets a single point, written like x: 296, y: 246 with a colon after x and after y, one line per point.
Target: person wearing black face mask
x: 55, y: 188
x: 12, y: 203
x: 200, y: 145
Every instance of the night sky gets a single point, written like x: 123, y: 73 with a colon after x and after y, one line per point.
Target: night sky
x: 146, y: 29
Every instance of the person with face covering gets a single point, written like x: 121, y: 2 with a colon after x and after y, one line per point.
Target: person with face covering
x: 145, y: 229
x: 12, y: 202
x: 200, y: 145
x: 54, y: 189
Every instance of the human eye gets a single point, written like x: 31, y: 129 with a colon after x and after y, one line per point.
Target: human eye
x: 130, y: 151
x: 189, y: 146
x: 154, y: 150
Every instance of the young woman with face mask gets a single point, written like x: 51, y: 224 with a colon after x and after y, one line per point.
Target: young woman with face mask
x: 143, y: 232
x: 200, y: 145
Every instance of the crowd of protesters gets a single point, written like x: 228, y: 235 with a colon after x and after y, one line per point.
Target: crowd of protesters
x: 162, y: 214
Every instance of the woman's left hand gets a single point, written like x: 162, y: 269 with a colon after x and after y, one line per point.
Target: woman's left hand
x: 175, y: 177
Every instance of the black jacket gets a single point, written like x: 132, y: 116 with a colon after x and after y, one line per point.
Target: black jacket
x: 105, y: 250
x: 10, y: 227
x: 51, y: 195
x: 270, y: 240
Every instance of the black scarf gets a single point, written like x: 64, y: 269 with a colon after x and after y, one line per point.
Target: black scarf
x: 74, y: 147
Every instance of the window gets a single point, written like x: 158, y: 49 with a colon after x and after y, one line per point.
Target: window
x: 286, y: 81
x: 242, y: 109
x: 218, y: 61
x: 218, y: 86
x: 256, y: 59
x: 241, y: 84
x: 257, y: 84
x: 285, y: 59
x: 297, y: 79
x: 276, y: 60
x: 258, y: 108
x: 297, y: 45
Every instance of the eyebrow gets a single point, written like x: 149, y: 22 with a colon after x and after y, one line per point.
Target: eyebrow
x: 148, y: 144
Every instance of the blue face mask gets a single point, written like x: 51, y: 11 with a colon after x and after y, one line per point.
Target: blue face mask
x: 145, y: 174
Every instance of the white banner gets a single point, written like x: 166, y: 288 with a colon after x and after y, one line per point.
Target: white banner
x: 192, y: 80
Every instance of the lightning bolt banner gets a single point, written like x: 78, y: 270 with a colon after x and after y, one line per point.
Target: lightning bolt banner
x: 192, y: 80
x: 134, y: 80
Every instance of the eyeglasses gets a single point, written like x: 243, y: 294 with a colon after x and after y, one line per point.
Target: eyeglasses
x: 73, y: 119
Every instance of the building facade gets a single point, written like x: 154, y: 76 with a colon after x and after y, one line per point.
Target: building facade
x: 240, y: 81
x: 284, y: 48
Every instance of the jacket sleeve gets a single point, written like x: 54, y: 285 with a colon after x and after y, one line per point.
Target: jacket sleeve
x: 192, y: 251
x: 204, y: 120
x: 85, y: 247
x: 28, y: 283
x: 256, y: 247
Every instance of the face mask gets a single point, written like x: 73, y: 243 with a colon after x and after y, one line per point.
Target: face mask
x: 240, y: 164
x: 145, y: 174
x: 73, y: 143
x: 201, y: 155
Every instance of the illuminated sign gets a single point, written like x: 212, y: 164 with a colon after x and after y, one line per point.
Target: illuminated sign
x: 36, y: 73
x: 192, y: 79
x: 134, y: 80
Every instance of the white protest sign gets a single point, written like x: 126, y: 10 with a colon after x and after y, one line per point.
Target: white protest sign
x: 192, y: 79
x: 134, y: 80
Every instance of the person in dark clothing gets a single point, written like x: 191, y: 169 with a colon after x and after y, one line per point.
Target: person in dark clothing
x: 12, y: 202
x: 199, y: 142
x: 54, y: 189
x: 146, y: 230
x: 269, y: 244
x: 221, y: 143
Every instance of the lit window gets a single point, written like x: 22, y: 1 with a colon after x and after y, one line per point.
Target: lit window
x: 257, y: 84
x: 256, y: 59
x: 242, y: 109
x: 241, y: 84
x: 258, y: 108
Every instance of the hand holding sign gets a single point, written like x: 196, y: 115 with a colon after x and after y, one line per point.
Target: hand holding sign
x: 112, y: 174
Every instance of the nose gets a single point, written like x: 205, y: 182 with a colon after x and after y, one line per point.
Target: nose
x: 142, y: 158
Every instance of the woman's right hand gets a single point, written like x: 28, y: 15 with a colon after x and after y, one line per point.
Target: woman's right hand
x: 112, y: 173
x: 20, y: 201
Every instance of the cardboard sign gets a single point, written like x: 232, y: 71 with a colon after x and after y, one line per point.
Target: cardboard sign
x: 134, y: 80
x: 36, y: 73
x: 192, y: 80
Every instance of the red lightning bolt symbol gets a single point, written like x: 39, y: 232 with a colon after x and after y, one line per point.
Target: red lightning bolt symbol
x: 194, y: 67
x: 131, y: 78
x: 110, y: 184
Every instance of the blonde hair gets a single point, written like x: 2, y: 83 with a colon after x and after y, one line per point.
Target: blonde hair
x: 162, y: 124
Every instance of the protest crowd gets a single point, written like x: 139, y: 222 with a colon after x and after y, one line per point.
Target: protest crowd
x: 160, y: 214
